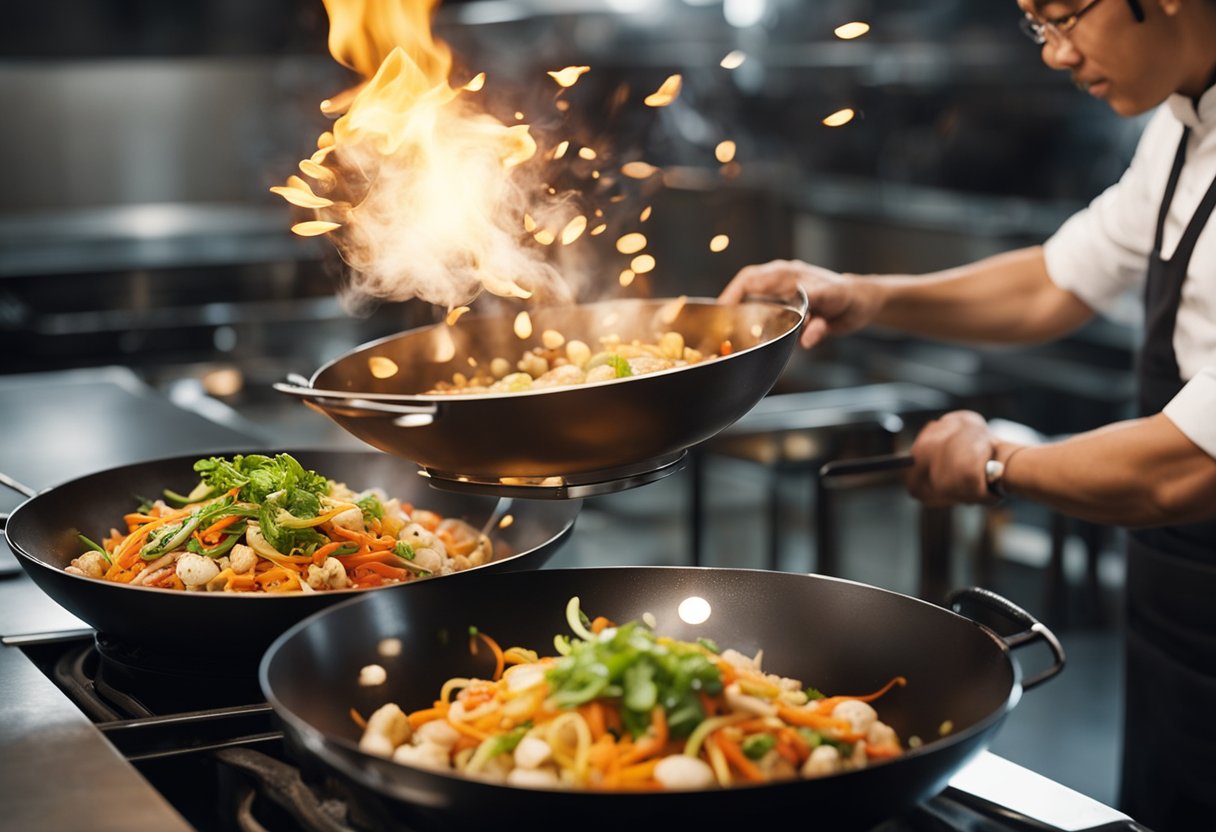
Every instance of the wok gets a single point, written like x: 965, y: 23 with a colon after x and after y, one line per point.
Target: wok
x: 557, y: 431
x: 839, y: 636
x: 43, y: 531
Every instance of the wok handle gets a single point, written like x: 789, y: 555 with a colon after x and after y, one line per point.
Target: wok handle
x: 1035, y: 629
x: 20, y: 488
x: 363, y: 404
x: 865, y: 465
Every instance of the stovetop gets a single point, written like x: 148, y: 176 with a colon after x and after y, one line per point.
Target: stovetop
x: 91, y: 739
x: 210, y: 757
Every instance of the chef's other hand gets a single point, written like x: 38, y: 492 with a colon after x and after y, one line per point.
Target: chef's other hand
x: 839, y: 304
x: 949, y: 457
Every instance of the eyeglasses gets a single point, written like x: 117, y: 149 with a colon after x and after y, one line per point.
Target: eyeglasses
x: 1058, y: 28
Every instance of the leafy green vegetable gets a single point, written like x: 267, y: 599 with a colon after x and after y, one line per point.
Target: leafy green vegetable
x: 281, y: 535
x: 259, y: 476
x: 623, y: 370
x: 813, y: 738
x: 174, y: 535
x: 371, y: 507
x: 756, y: 746
x: 641, y: 692
x: 631, y: 662
x: 618, y: 363
x: 492, y: 747
x: 220, y: 549
x: 403, y: 550
x: 288, y: 496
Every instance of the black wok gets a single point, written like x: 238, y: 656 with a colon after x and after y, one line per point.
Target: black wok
x: 839, y: 636
x: 560, y: 431
x: 43, y: 531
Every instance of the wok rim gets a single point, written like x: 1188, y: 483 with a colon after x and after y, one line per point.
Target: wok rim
x: 318, y: 741
x: 439, y: 398
x: 28, y: 559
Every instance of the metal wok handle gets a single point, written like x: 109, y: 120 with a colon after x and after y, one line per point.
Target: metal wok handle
x: 1034, y: 631
x: 20, y: 488
x: 346, y: 403
x: 865, y: 465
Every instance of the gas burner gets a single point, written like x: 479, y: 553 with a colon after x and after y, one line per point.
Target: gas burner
x: 575, y: 486
x: 167, y: 681
x: 229, y: 768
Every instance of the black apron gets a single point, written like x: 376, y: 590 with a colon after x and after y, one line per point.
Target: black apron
x: 1169, y: 736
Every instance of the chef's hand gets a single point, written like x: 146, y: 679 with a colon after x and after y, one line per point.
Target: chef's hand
x: 839, y: 303
x: 949, y: 457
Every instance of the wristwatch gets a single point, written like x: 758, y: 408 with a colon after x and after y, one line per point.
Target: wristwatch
x: 994, y: 474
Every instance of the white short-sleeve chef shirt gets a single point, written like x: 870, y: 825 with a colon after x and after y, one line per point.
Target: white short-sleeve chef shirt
x: 1101, y: 253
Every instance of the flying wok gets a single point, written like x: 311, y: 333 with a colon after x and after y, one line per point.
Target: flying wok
x: 558, y: 431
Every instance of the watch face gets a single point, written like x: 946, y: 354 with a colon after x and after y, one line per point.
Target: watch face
x: 994, y: 469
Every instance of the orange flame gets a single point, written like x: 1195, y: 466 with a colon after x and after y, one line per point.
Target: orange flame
x: 415, y: 184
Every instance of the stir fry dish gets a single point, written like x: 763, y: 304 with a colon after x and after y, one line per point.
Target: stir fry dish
x: 621, y: 708
x: 562, y: 363
x: 265, y: 524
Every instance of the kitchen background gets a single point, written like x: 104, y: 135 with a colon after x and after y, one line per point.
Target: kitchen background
x: 136, y: 230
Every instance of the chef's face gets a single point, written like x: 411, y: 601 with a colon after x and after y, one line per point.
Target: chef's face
x: 1131, y: 65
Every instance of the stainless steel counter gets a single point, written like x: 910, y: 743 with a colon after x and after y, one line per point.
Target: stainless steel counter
x: 59, y: 773
x: 58, y: 426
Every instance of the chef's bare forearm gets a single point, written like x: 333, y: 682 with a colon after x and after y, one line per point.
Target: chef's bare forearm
x: 1005, y: 299
x: 1142, y: 472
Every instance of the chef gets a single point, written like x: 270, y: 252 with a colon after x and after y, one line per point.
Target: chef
x: 1151, y: 233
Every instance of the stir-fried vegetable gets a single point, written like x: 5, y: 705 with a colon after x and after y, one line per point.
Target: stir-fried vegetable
x: 633, y: 665
x: 620, y: 707
x: 258, y: 523
x: 562, y: 363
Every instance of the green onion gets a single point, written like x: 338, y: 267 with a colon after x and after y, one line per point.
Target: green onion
x: 629, y: 662
x: 95, y: 547
x: 220, y: 549
x: 493, y: 746
x: 575, y: 619
x: 168, y: 538
x: 641, y: 693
